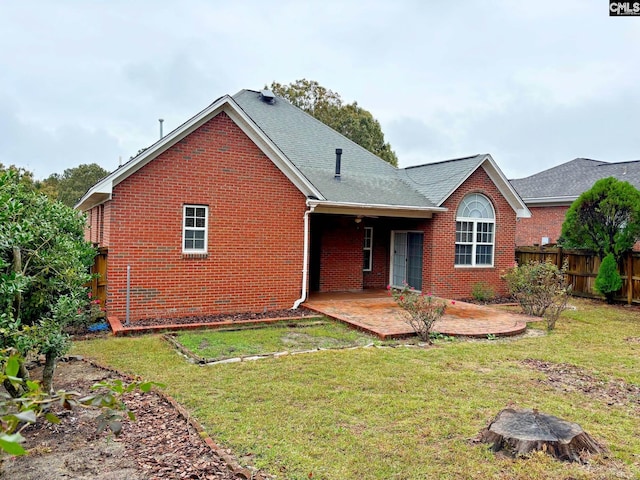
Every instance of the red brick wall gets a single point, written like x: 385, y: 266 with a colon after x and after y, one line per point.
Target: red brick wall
x: 378, y: 277
x: 106, y: 225
x: 544, y: 222
x: 382, y: 228
x: 440, y: 275
x: 342, y: 255
x: 87, y: 227
x: 255, y: 242
x: 97, y: 228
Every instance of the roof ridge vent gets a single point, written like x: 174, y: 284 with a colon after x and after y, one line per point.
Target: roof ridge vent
x: 267, y: 96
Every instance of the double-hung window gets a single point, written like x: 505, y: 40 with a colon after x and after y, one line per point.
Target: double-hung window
x: 475, y: 232
x: 194, y: 228
x: 367, y: 249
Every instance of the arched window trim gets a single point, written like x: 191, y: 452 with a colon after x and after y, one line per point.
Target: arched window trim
x: 475, y: 234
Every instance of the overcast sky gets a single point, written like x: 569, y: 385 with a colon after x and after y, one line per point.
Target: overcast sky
x: 534, y: 83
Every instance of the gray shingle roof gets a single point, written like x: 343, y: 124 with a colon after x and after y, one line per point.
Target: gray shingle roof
x: 573, y: 178
x: 304, y: 149
x: 310, y: 145
x: 438, y: 180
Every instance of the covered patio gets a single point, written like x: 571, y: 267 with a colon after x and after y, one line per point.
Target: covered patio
x: 375, y: 312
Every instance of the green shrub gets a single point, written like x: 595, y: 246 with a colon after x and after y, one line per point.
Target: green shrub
x: 608, y: 281
x: 483, y: 292
x: 540, y: 288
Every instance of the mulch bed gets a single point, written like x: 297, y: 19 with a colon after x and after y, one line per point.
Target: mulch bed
x: 225, y: 317
x: 161, y: 444
x: 494, y: 301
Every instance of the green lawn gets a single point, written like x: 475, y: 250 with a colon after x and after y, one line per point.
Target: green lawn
x: 218, y: 345
x: 404, y: 413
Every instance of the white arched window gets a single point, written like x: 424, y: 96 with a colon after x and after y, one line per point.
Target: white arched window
x: 475, y: 227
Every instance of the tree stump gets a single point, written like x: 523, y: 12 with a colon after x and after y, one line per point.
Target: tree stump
x: 521, y: 432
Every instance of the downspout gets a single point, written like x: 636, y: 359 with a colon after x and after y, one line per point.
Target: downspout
x: 305, y: 260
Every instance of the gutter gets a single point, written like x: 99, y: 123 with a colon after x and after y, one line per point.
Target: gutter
x: 550, y: 201
x: 353, y: 208
x: 305, y: 259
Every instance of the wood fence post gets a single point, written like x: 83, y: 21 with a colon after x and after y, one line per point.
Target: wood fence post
x: 629, y: 278
x: 559, y: 259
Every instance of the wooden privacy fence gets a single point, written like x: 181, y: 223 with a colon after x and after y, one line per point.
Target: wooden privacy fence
x: 583, y: 268
x: 99, y: 283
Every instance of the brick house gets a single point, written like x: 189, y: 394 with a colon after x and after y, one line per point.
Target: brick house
x: 252, y: 204
x: 550, y: 193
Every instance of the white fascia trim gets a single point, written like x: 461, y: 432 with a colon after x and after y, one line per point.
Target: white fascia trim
x: 106, y: 185
x: 352, y: 208
x: 505, y: 187
x: 231, y: 108
x: 95, y: 200
x: 498, y: 178
x: 551, y: 201
x: 99, y: 193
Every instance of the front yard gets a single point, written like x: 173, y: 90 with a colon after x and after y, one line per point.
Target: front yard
x: 380, y: 413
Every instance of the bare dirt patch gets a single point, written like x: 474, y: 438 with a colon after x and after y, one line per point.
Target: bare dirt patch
x: 570, y: 378
x: 160, y: 444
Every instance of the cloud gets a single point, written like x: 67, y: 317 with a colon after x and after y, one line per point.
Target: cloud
x: 178, y: 80
x: 524, y: 133
x: 534, y: 83
x: 530, y: 136
x: 50, y: 150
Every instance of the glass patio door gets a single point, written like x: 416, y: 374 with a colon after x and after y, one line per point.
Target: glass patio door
x: 406, y: 259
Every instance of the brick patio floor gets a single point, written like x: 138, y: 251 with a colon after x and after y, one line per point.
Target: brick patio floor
x: 376, y: 312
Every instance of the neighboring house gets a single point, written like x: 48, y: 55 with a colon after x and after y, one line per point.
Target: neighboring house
x: 252, y: 203
x: 550, y: 193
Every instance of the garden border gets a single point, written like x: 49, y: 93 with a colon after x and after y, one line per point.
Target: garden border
x: 119, y: 330
x: 228, y: 459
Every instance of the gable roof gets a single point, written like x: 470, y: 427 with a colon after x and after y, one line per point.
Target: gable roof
x: 439, y: 180
x: 310, y: 145
x: 564, y: 183
x: 303, y: 148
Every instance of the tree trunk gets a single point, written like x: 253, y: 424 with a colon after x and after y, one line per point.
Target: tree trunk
x: 521, y: 432
x: 18, y: 391
x: 17, y: 268
x: 11, y: 390
x: 48, y: 371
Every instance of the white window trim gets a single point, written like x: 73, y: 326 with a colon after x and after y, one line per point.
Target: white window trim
x: 369, y: 249
x: 474, y: 244
x: 205, y: 229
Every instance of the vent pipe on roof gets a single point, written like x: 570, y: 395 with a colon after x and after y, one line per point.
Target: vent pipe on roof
x: 267, y: 97
x: 161, y: 120
x: 338, y: 159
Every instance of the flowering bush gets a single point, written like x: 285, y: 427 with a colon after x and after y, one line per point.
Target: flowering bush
x: 423, y: 309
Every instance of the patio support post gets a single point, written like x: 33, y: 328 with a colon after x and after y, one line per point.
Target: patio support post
x: 305, y: 260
